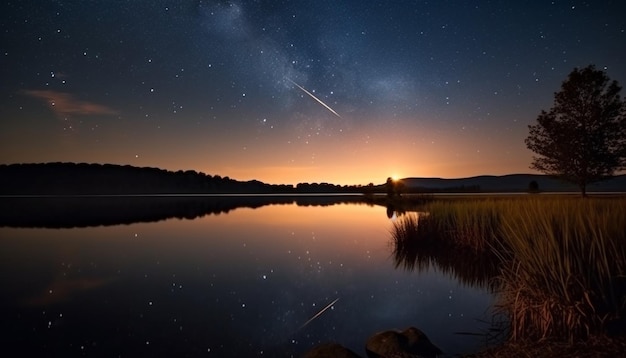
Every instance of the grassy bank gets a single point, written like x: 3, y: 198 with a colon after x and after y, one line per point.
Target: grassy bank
x: 561, y: 261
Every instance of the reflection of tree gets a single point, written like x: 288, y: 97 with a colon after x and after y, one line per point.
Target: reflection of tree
x: 398, y: 206
x: 417, y: 245
x: 65, y: 212
x: 391, y: 210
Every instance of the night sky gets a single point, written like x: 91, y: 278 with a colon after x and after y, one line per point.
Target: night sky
x: 346, y: 92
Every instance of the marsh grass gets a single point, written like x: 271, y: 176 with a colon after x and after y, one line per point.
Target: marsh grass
x: 466, y: 223
x: 563, y: 267
x: 562, y: 261
x: 417, y: 245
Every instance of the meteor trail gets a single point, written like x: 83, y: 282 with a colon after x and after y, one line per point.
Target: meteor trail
x: 315, y: 98
x: 327, y: 306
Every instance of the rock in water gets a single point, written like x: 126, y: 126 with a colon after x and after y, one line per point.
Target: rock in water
x: 410, y: 343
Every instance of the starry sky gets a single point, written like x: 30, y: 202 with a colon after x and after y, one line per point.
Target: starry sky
x: 346, y: 92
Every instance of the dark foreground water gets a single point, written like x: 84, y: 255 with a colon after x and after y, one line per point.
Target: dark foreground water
x: 237, y: 284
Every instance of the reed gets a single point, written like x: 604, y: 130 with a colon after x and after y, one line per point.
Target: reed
x: 414, y: 249
x: 562, y: 261
x: 563, y: 267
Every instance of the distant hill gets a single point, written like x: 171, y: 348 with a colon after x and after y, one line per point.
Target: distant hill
x: 508, y: 183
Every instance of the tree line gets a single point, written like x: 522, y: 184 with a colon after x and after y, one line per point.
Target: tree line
x: 112, y: 179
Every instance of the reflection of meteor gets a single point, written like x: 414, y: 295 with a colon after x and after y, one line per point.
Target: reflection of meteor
x: 315, y: 98
x: 327, y: 306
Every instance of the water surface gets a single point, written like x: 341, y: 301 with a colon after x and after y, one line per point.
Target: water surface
x: 241, y: 283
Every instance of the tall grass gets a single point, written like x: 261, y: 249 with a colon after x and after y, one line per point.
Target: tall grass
x: 466, y: 223
x: 563, y: 267
x: 418, y: 246
x: 562, y: 261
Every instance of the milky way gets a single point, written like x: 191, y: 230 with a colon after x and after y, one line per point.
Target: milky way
x: 442, y: 89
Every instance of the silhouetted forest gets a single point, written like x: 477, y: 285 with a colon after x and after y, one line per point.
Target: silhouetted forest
x: 110, y: 179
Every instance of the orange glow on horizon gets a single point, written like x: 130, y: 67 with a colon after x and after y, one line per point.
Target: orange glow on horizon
x: 359, y: 156
x: 357, y: 175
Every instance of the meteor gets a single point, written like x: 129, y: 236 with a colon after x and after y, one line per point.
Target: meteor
x: 315, y: 98
x: 327, y: 306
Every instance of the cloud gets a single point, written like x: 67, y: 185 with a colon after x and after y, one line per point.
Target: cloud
x: 66, y: 104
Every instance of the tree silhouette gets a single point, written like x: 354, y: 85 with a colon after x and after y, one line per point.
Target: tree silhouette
x: 391, y: 187
x: 394, y: 187
x: 582, y: 139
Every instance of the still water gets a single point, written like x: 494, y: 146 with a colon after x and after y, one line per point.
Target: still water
x: 240, y: 283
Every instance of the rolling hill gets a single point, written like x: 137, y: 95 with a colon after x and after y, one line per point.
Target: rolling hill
x: 509, y: 183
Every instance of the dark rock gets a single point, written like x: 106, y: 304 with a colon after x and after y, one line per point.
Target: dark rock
x: 330, y: 350
x: 410, y: 343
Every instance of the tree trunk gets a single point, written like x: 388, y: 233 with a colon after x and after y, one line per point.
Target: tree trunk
x: 583, y: 189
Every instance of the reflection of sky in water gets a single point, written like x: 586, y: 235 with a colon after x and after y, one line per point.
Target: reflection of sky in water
x: 234, y: 284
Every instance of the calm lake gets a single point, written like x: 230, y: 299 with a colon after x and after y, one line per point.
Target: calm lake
x: 224, y: 280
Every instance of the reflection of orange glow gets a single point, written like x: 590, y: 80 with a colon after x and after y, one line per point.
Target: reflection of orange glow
x: 334, y: 215
x: 62, y: 289
x: 375, y: 171
x: 283, y: 233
